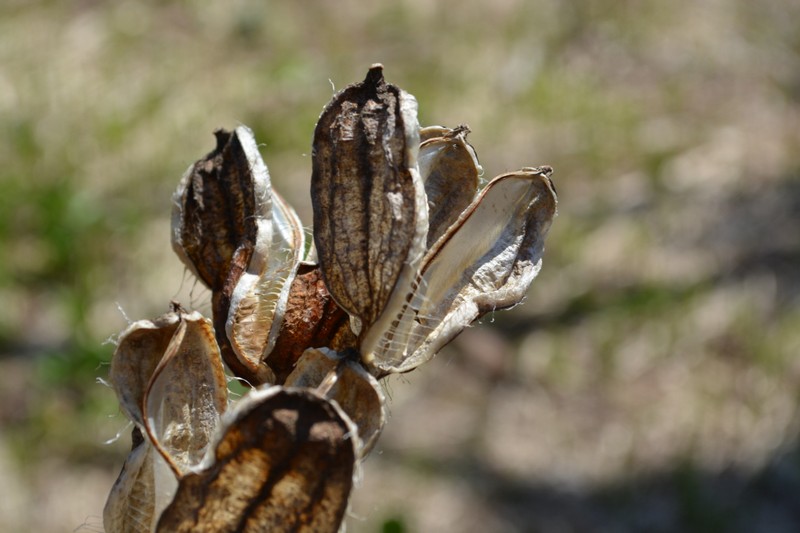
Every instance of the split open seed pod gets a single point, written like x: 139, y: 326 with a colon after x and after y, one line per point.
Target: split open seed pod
x: 170, y: 383
x: 407, y: 245
x: 244, y: 242
x: 280, y: 459
x: 283, y: 463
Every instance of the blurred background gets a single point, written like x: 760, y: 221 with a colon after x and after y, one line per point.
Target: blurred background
x: 649, y: 383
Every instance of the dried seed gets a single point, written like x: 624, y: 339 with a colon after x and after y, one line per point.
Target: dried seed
x: 284, y: 463
x: 370, y: 216
x: 312, y: 319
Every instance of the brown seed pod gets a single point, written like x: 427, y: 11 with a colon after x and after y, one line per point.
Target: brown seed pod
x: 216, y: 209
x: 485, y: 261
x: 450, y: 170
x: 345, y: 381
x: 284, y: 462
x: 244, y: 242
x: 370, y: 215
x: 169, y: 380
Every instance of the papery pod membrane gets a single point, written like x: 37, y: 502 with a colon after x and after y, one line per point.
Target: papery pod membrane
x: 139, y: 350
x: 259, y: 300
x: 485, y: 261
x: 131, y: 504
x: 431, y: 132
x: 346, y: 382
x: 312, y: 319
x: 311, y: 258
x: 143, y: 489
x: 186, y: 395
x: 370, y: 213
x: 284, y: 462
x: 450, y: 170
x: 169, y: 379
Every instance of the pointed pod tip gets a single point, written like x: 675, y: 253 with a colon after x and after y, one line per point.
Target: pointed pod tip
x: 545, y: 170
x: 374, y: 75
x: 222, y: 137
x: 460, y: 131
x: 543, y: 173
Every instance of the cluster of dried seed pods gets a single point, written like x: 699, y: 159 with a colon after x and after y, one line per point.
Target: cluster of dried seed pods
x: 407, y: 252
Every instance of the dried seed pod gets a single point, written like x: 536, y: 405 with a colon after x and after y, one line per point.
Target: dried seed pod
x: 370, y: 214
x: 450, y: 170
x: 485, y: 261
x: 312, y: 319
x: 346, y: 382
x: 244, y: 242
x: 169, y: 379
x: 218, y: 208
x: 140, y: 349
x: 131, y: 505
x: 284, y: 463
x: 186, y: 395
